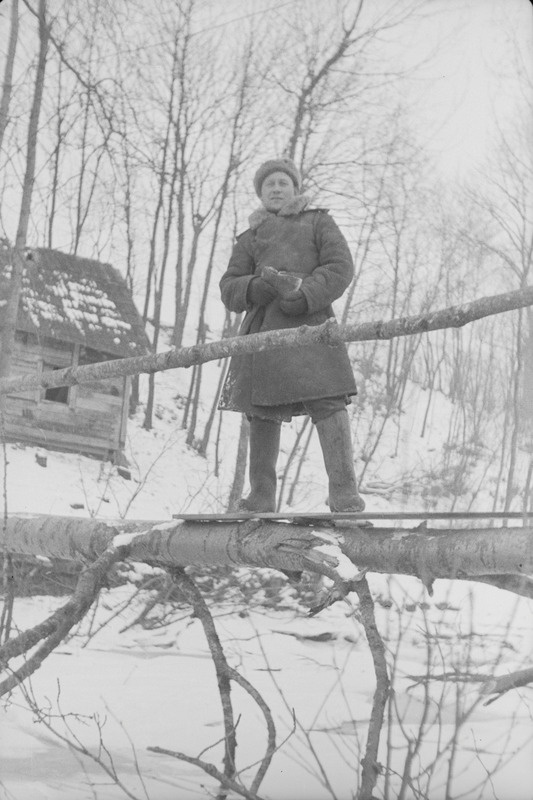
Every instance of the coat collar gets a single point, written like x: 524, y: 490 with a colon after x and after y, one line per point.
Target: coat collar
x: 294, y: 206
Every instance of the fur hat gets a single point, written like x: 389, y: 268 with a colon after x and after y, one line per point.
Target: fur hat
x: 276, y: 165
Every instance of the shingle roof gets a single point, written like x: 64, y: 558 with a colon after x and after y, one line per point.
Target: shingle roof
x: 76, y: 300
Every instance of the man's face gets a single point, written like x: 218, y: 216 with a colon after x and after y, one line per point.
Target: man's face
x: 276, y: 190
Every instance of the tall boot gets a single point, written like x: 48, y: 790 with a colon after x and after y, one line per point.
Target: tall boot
x: 264, y: 450
x: 336, y: 442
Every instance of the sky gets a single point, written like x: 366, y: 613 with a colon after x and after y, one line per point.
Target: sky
x: 470, y: 85
x: 466, y: 52
x: 461, y: 58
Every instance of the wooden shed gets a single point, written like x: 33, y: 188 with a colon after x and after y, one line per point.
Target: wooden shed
x: 73, y: 311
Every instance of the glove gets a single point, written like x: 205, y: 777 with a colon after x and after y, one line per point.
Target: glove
x: 294, y: 305
x: 260, y: 293
x: 285, y: 283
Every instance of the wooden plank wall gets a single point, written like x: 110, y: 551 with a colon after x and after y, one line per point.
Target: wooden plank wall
x: 91, y: 422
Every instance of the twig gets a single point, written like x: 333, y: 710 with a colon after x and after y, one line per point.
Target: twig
x: 211, y: 770
x: 454, y: 676
x: 271, y: 729
x: 158, y: 596
x: 76, y: 745
x: 8, y: 580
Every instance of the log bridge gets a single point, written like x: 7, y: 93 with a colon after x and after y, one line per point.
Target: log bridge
x: 502, y: 556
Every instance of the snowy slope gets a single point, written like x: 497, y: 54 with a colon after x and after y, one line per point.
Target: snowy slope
x: 405, y: 471
x: 127, y: 690
x: 143, y: 688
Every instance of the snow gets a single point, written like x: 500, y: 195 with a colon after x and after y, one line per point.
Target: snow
x: 114, y: 689
x: 82, y: 303
x: 335, y: 558
x: 125, y: 539
x: 140, y: 689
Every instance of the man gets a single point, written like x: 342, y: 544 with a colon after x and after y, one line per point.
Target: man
x: 285, y: 271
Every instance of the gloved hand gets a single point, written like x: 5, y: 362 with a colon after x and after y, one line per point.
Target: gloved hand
x: 285, y: 283
x: 294, y: 305
x: 260, y: 293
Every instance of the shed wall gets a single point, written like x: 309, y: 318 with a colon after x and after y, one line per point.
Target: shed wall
x: 90, y: 422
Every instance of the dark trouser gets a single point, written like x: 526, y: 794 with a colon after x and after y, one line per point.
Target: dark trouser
x: 324, y: 408
x: 317, y: 409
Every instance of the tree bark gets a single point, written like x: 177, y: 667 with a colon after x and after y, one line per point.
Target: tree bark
x: 504, y: 683
x: 17, y: 261
x: 423, y: 552
x: 329, y: 333
x: 241, y: 462
x: 7, y: 86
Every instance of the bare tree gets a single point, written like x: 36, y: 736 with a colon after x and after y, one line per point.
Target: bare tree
x: 507, y: 206
x: 7, y: 86
x: 11, y: 308
x: 234, y: 159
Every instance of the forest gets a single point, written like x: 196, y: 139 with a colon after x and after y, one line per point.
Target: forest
x: 130, y: 135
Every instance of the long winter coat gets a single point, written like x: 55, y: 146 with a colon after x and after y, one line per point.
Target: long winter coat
x: 306, y: 242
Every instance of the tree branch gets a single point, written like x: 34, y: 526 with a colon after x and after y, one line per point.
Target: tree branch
x: 226, y: 674
x: 269, y: 721
x: 370, y: 767
x: 211, y: 770
x: 193, y: 596
x: 505, y: 683
x: 57, y: 626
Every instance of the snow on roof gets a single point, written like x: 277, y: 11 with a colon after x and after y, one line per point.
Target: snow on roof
x: 76, y: 300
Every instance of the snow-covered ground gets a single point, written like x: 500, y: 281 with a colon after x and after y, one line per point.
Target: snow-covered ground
x: 118, y: 693
x: 112, y: 691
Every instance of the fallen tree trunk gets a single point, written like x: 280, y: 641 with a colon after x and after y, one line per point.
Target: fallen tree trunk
x: 428, y: 554
x: 328, y: 333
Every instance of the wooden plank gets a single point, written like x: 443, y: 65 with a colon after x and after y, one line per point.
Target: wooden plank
x: 59, y: 441
x: 15, y: 405
x: 104, y: 404
x: 57, y: 417
x: 93, y: 431
x: 92, y: 419
x: 110, y: 413
x: 30, y: 396
x: 25, y: 362
x: 112, y: 387
x: 31, y: 349
x: 73, y: 391
x: 56, y: 358
x: 326, y: 516
x: 125, y: 411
